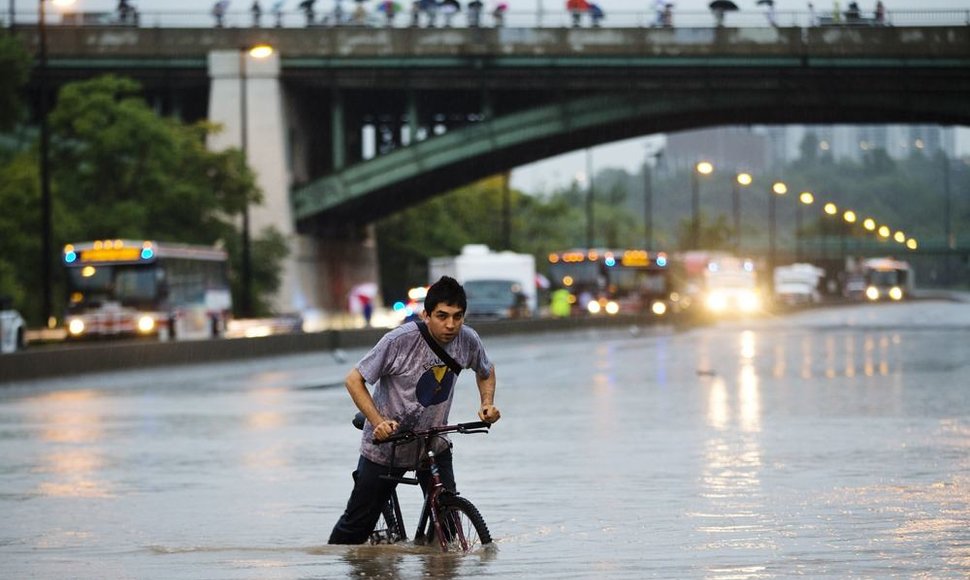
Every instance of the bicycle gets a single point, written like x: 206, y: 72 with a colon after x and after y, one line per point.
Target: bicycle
x: 454, y: 521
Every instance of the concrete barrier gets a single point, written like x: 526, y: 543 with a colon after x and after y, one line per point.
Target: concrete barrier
x: 73, y: 359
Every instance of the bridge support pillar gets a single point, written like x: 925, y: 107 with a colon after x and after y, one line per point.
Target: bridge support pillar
x: 266, y: 131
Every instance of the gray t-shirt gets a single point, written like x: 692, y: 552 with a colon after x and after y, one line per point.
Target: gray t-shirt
x: 414, y: 387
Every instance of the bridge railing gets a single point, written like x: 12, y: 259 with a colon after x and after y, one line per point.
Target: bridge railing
x: 540, y: 16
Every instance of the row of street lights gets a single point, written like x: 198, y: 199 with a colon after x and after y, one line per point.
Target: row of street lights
x: 778, y: 189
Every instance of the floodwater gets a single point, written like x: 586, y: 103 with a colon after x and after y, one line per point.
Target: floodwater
x: 833, y: 443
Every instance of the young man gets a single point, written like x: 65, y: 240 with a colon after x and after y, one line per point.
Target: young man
x: 413, y: 389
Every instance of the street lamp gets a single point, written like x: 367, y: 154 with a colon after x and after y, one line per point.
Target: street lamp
x: 806, y: 198
x: 47, y: 245
x: 258, y: 51
x: 848, y: 218
x: 655, y: 154
x: 740, y: 180
x: 701, y: 168
x: 589, y: 199
x: 777, y: 188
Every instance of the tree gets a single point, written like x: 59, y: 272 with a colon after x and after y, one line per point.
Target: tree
x: 14, y: 72
x: 121, y: 171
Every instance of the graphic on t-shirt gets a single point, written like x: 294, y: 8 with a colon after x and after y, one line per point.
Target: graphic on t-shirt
x: 435, y: 385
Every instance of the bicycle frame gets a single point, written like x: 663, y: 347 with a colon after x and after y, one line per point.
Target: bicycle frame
x: 436, y: 488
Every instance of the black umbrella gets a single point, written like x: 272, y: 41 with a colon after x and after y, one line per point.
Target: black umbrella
x: 723, y: 5
x: 766, y: 2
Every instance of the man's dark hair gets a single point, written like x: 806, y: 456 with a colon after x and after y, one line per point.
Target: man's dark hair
x: 446, y: 290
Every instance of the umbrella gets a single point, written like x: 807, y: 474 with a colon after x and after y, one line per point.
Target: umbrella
x: 387, y: 5
x: 361, y: 294
x: 450, y: 6
x: 722, y: 5
x: 766, y: 2
x: 475, y: 4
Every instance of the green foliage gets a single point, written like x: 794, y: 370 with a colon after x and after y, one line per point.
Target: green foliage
x: 120, y: 171
x: 14, y: 71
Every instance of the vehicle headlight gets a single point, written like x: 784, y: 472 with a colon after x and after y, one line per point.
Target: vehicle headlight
x: 749, y: 302
x: 896, y: 293
x: 146, y: 324
x: 659, y: 308
x: 593, y: 306
x: 872, y: 293
x: 75, y: 326
x: 716, y: 301
x: 612, y: 307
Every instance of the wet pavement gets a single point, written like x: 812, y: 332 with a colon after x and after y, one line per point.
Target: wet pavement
x: 832, y: 443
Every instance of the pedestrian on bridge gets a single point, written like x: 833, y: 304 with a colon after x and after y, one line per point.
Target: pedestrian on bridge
x: 475, y: 13
x: 880, y: 14
x: 277, y: 11
x: 124, y: 9
x: 219, y: 12
x: 576, y: 8
x: 308, y: 11
x: 658, y: 8
x: 498, y: 15
x: 257, y: 12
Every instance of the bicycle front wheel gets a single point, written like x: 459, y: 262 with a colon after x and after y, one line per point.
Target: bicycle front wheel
x: 461, y: 523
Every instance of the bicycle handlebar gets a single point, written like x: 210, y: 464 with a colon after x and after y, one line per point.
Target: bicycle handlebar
x: 463, y: 428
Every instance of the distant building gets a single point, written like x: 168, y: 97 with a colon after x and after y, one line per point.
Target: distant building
x: 761, y: 147
x: 739, y: 148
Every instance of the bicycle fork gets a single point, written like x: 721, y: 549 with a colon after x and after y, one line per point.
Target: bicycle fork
x: 444, y: 530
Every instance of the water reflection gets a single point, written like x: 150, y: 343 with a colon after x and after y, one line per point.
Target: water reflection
x: 402, y: 561
x: 732, y: 514
x: 834, y: 355
x: 70, y: 463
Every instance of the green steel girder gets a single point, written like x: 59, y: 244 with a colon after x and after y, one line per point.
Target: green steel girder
x: 372, y: 189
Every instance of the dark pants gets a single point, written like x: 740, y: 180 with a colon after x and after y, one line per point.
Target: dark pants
x: 371, y: 494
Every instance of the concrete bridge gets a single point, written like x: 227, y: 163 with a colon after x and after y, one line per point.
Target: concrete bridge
x: 448, y: 106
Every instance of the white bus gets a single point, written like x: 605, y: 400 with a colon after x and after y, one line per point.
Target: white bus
x: 146, y: 288
x: 887, y: 278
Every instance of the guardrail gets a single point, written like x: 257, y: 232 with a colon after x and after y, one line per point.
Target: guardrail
x: 542, y: 16
x: 110, y: 356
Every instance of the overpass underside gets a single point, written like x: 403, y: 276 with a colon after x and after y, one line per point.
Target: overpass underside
x: 508, y: 110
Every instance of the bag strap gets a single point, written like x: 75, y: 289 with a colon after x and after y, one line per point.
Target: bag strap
x: 438, y: 350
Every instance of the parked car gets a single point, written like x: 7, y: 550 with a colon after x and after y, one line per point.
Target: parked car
x: 13, y: 330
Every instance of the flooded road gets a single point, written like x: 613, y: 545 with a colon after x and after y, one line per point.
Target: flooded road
x: 830, y: 443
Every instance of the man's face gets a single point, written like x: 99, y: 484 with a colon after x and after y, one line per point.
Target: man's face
x: 444, y: 322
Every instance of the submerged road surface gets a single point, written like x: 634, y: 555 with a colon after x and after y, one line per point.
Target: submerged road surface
x: 830, y: 443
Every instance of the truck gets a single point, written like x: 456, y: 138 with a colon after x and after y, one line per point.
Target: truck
x: 498, y: 284
x: 797, y: 284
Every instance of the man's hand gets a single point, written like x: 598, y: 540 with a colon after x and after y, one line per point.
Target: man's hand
x: 384, y: 429
x: 489, y: 413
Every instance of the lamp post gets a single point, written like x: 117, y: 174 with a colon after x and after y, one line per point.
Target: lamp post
x: 740, y: 180
x: 589, y: 199
x: 47, y: 229
x: 700, y: 168
x: 652, y: 153
x: 777, y: 188
x: 805, y: 198
x: 257, y: 51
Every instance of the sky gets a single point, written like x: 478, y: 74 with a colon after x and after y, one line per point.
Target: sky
x: 561, y: 170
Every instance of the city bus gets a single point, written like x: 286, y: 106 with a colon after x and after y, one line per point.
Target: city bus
x: 146, y: 288
x: 612, y: 281
x: 887, y: 278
